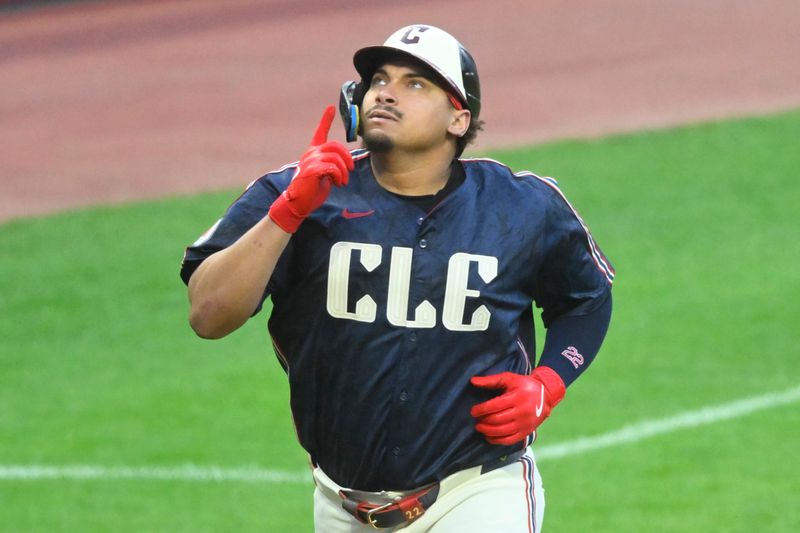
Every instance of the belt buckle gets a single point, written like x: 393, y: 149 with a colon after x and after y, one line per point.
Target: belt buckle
x: 369, y: 514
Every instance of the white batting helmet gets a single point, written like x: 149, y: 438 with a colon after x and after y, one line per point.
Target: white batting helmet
x: 435, y: 48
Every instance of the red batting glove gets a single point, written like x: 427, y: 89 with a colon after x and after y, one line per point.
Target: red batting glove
x: 517, y: 412
x: 325, y: 162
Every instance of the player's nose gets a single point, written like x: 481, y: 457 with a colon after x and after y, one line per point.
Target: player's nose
x: 385, y: 95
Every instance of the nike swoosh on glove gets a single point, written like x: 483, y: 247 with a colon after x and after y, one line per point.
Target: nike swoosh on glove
x: 324, y: 163
x: 525, y: 403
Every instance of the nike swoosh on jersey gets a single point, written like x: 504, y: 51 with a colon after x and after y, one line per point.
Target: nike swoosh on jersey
x: 346, y: 213
x: 540, y: 407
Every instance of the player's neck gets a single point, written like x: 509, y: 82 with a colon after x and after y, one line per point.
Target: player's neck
x: 411, y: 174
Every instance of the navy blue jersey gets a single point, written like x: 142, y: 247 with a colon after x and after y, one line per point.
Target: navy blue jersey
x: 382, y: 312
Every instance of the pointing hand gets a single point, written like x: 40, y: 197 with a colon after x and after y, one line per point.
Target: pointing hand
x: 325, y: 162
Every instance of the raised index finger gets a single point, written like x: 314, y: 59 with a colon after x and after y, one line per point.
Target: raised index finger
x: 321, y: 135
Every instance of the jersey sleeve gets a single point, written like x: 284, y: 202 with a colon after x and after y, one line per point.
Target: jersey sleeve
x: 240, y: 216
x: 575, y: 276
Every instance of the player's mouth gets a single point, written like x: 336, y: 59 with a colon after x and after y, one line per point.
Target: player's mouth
x: 383, y: 113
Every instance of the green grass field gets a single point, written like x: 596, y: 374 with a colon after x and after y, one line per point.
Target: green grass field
x: 99, y: 367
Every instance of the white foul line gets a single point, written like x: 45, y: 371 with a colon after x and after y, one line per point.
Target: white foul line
x: 171, y: 473
x: 651, y: 428
x: 628, y: 434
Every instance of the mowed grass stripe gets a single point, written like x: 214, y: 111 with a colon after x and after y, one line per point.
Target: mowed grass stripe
x: 626, y: 435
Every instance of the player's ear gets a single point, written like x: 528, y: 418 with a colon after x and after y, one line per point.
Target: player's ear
x: 459, y: 123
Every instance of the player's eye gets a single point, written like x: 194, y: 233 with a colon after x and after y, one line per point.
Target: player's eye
x: 416, y: 84
x: 377, y: 81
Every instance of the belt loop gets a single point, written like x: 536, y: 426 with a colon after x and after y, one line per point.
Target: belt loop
x: 503, y: 460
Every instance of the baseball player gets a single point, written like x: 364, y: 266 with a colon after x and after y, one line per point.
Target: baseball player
x: 402, y: 280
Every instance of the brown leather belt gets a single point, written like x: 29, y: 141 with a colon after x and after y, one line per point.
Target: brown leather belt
x: 411, y: 507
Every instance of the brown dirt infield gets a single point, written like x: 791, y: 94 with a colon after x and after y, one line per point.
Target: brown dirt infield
x: 105, y: 102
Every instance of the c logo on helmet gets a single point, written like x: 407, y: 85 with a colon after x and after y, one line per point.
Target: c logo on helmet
x: 408, y: 39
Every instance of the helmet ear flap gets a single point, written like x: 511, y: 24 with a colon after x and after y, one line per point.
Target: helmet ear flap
x: 472, y: 83
x: 358, y: 92
x: 350, y: 98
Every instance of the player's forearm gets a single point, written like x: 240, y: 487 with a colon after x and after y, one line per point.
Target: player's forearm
x: 572, y: 342
x: 228, y: 286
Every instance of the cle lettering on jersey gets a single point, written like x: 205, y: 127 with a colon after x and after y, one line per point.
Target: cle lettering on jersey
x: 425, y: 314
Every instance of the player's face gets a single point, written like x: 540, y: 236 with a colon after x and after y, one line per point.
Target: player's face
x: 404, y: 108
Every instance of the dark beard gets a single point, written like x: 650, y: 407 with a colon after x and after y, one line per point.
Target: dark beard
x: 378, y: 144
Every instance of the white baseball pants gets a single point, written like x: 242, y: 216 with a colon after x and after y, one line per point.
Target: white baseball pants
x: 506, y: 500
